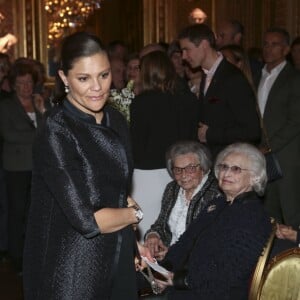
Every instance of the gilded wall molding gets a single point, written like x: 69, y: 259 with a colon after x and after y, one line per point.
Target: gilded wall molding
x: 29, y: 20
x: 159, y: 20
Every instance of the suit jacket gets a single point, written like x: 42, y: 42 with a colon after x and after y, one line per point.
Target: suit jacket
x: 18, y: 132
x: 229, y: 109
x: 282, y: 123
x: 282, y: 116
x: 209, y: 191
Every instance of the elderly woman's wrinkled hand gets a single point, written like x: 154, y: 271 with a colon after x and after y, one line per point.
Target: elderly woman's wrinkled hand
x: 286, y: 232
x: 160, y: 255
x: 163, y: 284
x: 145, y: 252
x: 154, y: 243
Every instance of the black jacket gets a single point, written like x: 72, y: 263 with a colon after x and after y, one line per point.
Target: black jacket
x: 221, y: 249
x: 229, y: 109
x: 157, y: 120
x: 79, y: 168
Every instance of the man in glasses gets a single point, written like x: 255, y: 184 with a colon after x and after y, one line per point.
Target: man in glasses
x: 279, y: 103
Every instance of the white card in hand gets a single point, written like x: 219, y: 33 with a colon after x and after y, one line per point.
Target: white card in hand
x: 155, y: 266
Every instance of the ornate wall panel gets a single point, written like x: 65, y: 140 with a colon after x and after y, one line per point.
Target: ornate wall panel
x: 116, y: 21
x: 6, y: 9
x: 287, y: 14
x: 249, y: 13
x: 7, y: 24
x: 163, y: 19
x: 159, y: 20
x: 28, y: 20
x: 144, y: 21
x: 255, y: 15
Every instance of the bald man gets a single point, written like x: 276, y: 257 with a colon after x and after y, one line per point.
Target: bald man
x: 197, y: 16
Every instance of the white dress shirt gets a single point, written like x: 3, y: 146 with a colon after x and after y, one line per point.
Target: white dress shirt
x: 211, y: 72
x: 32, y: 116
x: 266, y: 82
x: 177, y: 219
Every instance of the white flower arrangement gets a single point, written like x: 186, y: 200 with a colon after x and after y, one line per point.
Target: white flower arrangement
x: 121, y: 100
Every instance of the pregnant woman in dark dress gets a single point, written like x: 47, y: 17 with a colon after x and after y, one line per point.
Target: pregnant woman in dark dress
x: 80, y: 241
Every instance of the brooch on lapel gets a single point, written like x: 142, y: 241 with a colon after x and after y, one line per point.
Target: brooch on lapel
x: 211, y: 208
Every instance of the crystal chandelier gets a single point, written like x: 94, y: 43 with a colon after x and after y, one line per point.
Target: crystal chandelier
x: 63, y: 15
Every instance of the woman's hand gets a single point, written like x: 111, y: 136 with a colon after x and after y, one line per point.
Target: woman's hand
x: 143, y: 251
x: 154, y: 243
x: 163, y: 284
x: 131, y: 202
x: 160, y: 255
x: 286, y: 232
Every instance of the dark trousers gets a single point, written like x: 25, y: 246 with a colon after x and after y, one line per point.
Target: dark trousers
x: 3, y: 212
x: 18, y: 194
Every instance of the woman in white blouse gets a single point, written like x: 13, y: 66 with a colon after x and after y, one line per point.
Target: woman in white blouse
x: 193, y: 188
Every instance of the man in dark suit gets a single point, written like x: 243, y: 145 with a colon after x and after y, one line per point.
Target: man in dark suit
x: 279, y: 104
x: 227, y: 102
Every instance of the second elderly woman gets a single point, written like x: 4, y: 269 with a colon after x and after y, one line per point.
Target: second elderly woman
x: 193, y: 188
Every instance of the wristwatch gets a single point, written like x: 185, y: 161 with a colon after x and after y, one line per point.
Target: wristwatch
x: 138, y: 213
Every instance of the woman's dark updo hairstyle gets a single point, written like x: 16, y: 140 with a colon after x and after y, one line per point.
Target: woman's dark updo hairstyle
x: 74, y: 47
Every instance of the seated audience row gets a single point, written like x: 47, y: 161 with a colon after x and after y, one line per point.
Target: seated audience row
x: 220, y: 249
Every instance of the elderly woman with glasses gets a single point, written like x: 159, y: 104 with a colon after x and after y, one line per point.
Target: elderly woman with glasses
x: 193, y: 188
x: 221, y: 248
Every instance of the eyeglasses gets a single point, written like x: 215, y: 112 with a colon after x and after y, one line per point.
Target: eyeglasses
x: 233, y: 169
x: 190, y: 169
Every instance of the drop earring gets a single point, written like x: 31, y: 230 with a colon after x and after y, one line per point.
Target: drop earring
x: 67, y: 90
